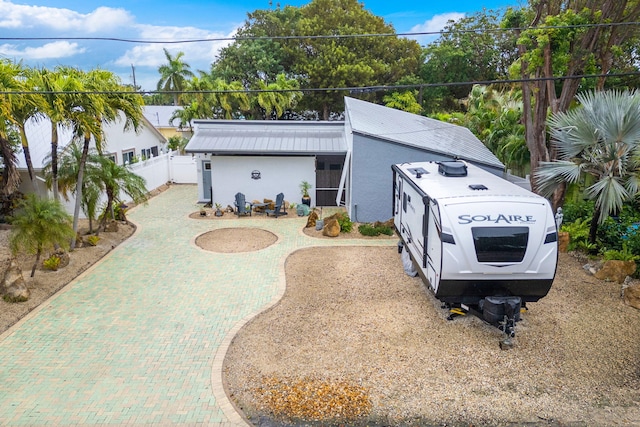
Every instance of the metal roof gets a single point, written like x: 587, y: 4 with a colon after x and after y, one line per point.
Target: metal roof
x: 267, y: 137
x: 418, y: 131
x: 160, y: 115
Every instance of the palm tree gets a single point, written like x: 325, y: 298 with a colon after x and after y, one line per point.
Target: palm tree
x: 117, y: 179
x: 22, y: 107
x: 600, y: 138
x: 8, y: 82
x: 278, y: 96
x: 69, y: 165
x: 173, y: 75
x: 39, y: 224
x: 107, y: 101
x: 230, y: 98
x: 59, y: 97
x: 185, y: 116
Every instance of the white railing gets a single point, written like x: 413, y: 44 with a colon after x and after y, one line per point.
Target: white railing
x: 156, y: 171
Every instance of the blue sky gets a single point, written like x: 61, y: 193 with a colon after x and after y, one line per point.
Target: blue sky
x: 171, y: 20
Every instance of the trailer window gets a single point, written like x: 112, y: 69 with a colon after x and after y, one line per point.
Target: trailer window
x: 500, y: 244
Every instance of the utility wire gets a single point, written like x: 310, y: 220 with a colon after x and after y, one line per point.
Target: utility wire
x: 352, y: 89
x: 314, y: 37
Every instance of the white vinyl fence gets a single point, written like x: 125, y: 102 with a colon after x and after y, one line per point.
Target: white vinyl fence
x: 157, y: 171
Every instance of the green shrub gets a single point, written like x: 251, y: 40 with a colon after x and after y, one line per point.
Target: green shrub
x: 51, y: 263
x: 346, y: 225
x: 375, y: 229
x: 579, y: 234
x: 573, y: 211
x: 622, y: 255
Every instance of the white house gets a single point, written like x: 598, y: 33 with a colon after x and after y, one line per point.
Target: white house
x: 348, y: 163
x: 122, y: 146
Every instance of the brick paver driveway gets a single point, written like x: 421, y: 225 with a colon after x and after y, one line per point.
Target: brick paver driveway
x: 140, y: 337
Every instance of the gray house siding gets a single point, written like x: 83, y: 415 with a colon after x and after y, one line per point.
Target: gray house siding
x: 372, y: 179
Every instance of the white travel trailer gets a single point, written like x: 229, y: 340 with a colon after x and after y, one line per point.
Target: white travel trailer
x: 479, y: 242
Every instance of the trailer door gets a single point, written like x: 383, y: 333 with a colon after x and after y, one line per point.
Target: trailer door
x: 434, y: 246
x: 397, y: 202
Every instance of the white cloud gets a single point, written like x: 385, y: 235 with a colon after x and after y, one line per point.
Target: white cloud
x: 434, y: 25
x: 23, y: 17
x: 59, y: 49
x: 198, y: 55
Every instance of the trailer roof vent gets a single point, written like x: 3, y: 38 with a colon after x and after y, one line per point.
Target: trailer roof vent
x: 418, y: 172
x: 478, y: 187
x: 452, y: 168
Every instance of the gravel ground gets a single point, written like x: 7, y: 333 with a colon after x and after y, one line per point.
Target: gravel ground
x: 354, y: 341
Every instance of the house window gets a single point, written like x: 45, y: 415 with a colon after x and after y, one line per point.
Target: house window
x: 127, y: 156
x: 112, y: 156
x: 154, y: 151
x: 145, y: 153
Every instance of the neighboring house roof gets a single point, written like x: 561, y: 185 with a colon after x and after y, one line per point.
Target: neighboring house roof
x: 160, y: 115
x: 267, y: 137
x: 418, y: 131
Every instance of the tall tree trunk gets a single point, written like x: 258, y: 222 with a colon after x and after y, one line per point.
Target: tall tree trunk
x: 593, y: 229
x: 54, y: 160
x: 10, y: 174
x: 35, y: 264
x: 27, y: 154
x: 79, y: 185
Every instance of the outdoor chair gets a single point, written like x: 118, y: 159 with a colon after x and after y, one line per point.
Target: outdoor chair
x: 242, y: 206
x: 279, y: 208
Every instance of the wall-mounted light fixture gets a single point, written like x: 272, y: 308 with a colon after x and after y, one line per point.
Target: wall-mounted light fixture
x: 255, y: 175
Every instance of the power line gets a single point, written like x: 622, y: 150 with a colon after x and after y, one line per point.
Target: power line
x: 352, y: 89
x: 315, y: 37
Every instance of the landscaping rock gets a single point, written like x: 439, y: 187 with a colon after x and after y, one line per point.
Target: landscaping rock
x: 64, y: 257
x: 14, y: 288
x: 631, y: 295
x: 311, y: 221
x: 111, y: 227
x: 563, y: 241
x: 616, y: 271
x: 331, y: 228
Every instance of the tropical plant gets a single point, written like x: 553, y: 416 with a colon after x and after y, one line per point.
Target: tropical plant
x: 39, y: 224
x: 51, y: 263
x: 275, y: 98
x: 69, y: 175
x: 173, y: 75
x: 177, y: 143
x: 185, y: 117
x: 59, y: 97
x: 117, y: 179
x: 578, y: 233
x: 624, y: 254
x: 346, y: 225
x: 8, y: 82
x: 93, y: 240
x: 600, y: 138
x: 23, y: 107
x: 563, y: 39
x: 304, y: 188
x: 108, y: 101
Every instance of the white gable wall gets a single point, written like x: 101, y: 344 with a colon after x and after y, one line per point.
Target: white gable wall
x: 232, y: 174
x: 118, y: 141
